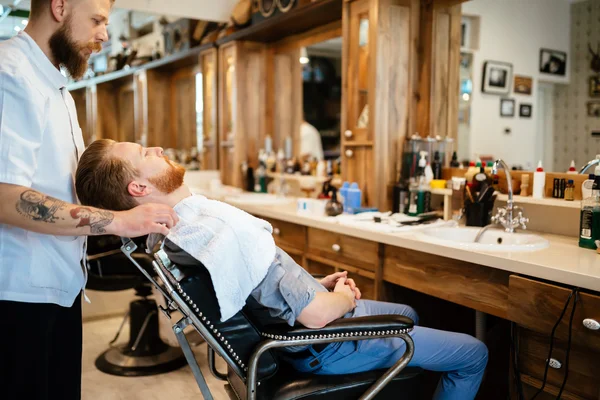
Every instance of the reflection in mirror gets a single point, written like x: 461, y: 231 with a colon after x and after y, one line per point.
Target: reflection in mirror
x: 230, y: 93
x: 322, y: 94
x: 363, y: 73
x: 464, y: 105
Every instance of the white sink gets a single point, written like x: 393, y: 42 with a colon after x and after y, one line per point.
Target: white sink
x: 262, y: 199
x: 492, y: 240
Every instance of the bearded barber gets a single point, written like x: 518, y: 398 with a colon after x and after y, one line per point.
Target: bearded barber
x: 42, y: 229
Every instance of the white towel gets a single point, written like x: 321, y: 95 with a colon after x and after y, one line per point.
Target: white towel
x: 236, y: 248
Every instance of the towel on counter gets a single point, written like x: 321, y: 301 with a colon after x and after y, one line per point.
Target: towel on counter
x: 236, y: 248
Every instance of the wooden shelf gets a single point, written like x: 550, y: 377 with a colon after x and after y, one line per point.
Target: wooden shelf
x: 542, y: 202
x: 173, y: 61
x: 298, y: 20
x: 295, y: 177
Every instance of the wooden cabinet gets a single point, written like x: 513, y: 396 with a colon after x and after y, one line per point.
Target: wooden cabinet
x: 242, y: 91
x: 288, y: 235
x: 208, y: 123
x: 379, y: 54
x: 344, y: 249
x: 584, y: 367
x: 538, y: 305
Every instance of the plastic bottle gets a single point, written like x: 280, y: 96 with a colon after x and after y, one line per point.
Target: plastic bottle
x: 343, y: 194
x: 586, y: 187
x: 589, y: 223
x: 420, y: 192
x: 572, y: 169
x: 454, y: 162
x: 428, y: 171
x: 353, y: 198
x: 436, y: 166
x: 539, y: 182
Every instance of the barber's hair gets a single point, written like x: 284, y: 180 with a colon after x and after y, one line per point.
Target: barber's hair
x: 101, y: 180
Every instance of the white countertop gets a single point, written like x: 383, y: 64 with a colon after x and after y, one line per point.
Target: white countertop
x: 563, y: 261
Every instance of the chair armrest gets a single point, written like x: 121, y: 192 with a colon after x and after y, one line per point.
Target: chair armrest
x: 374, y: 325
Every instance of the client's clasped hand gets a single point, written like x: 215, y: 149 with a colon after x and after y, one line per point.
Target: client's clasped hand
x: 340, y: 283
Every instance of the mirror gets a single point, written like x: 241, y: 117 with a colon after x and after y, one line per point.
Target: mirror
x: 528, y: 88
x: 322, y: 97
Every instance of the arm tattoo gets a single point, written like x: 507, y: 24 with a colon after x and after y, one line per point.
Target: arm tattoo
x: 96, y: 220
x: 38, y: 206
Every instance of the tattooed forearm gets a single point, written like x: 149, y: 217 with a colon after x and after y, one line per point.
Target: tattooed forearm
x: 38, y: 206
x: 96, y: 220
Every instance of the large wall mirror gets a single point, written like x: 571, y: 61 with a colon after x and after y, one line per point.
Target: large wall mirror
x: 528, y: 88
x: 321, y: 99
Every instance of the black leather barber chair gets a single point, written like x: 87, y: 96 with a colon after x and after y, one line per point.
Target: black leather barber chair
x: 248, y: 342
x: 145, y: 353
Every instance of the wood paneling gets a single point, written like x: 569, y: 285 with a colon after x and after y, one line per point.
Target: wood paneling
x: 390, y: 113
x: 584, y: 367
x: 126, y: 115
x: 358, y: 166
x: 288, y: 235
x: 80, y: 99
x: 107, y: 112
x: 353, y: 251
x: 160, y: 125
x: 317, y: 35
x: 288, y: 96
x: 481, y: 288
x: 423, y: 97
x: 242, y: 85
x: 183, y: 107
x: 210, y: 149
x: 537, y: 306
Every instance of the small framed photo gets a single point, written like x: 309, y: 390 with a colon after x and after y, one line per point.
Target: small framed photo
x: 507, y: 107
x: 593, y: 109
x: 523, y: 84
x: 594, y: 86
x: 497, y: 77
x: 553, y: 62
x: 525, y: 110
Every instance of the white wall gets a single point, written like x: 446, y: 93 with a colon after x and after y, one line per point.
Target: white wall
x: 513, y: 31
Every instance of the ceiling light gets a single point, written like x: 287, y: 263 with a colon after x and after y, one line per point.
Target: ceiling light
x: 304, y: 56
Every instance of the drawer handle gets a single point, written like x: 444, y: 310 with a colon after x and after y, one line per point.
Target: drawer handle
x: 336, y: 247
x: 276, y: 232
x: 554, y: 363
x: 349, y: 153
x: 348, y: 133
x: 591, y: 324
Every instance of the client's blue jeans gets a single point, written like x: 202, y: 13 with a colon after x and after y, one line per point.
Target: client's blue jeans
x: 461, y: 357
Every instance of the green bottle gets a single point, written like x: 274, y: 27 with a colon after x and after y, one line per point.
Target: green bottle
x: 589, y: 223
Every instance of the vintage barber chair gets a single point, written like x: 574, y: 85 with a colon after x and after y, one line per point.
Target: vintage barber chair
x: 145, y: 353
x: 249, y: 347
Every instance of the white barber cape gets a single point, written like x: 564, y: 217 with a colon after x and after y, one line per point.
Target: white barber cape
x: 236, y: 248
x: 40, y: 144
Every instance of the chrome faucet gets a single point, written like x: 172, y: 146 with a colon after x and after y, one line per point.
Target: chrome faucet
x: 505, y: 215
x: 590, y: 164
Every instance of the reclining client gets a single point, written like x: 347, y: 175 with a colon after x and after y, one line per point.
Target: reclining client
x: 240, y: 254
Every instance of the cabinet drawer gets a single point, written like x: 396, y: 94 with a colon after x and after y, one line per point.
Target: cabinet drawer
x: 345, y: 249
x: 538, y: 305
x: 287, y: 234
x: 583, y: 366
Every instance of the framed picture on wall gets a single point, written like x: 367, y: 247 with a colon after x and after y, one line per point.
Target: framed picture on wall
x: 594, y: 86
x: 593, y: 109
x: 523, y: 84
x: 507, y: 107
x: 553, y: 62
x: 497, y: 77
x: 525, y: 110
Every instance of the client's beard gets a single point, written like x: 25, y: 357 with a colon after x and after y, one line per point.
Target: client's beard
x: 68, y: 53
x: 171, y: 180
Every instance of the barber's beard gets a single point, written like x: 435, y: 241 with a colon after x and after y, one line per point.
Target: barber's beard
x: 67, y: 52
x: 171, y: 180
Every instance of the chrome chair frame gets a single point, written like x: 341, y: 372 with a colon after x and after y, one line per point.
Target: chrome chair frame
x: 177, y: 300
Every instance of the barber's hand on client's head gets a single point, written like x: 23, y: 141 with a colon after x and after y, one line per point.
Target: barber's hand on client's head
x: 143, y: 220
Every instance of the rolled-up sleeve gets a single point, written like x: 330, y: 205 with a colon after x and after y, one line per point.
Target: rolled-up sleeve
x: 22, y: 120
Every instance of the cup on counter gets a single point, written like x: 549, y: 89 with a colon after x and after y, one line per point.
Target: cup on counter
x: 479, y: 214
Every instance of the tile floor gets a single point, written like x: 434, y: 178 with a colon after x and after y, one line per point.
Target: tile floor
x: 178, y: 385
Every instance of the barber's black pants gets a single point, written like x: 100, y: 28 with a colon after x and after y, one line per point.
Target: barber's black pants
x: 40, y: 351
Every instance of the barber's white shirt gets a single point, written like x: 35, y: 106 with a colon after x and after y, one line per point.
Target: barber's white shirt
x: 310, y: 141
x: 40, y: 144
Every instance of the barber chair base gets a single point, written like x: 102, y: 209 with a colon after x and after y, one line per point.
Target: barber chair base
x: 115, y: 362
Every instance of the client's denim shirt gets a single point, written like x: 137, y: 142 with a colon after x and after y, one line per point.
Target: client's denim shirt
x: 287, y: 289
